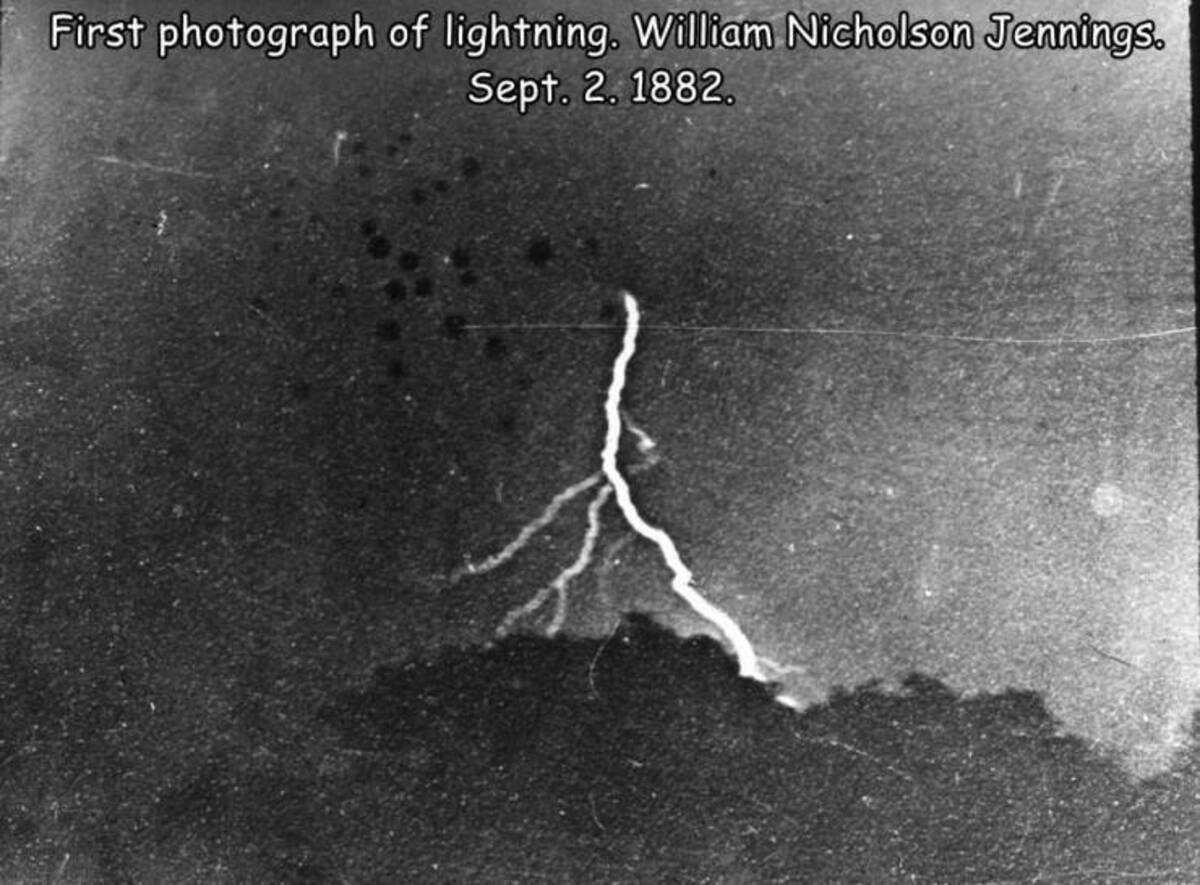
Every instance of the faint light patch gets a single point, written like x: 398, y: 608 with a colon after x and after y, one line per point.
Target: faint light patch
x: 1107, y: 500
x: 931, y: 578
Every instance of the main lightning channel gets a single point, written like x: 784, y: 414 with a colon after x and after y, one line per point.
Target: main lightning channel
x: 682, y: 579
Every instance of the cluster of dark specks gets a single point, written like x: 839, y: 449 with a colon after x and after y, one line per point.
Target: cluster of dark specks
x: 408, y: 272
x: 416, y: 277
x: 412, y: 272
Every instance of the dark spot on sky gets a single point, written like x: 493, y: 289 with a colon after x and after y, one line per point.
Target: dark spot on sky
x: 460, y: 257
x: 441, y: 186
x: 391, y: 150
x: 364, y: 171
x: 396, y: 369
x: 369, y: 227
x: 122, y: 147
x: 470, y: 167
x: 468, y: 278
x: 277, y: 248
x: 540, y: 251
x: 359, y: 147
x: 608, y: 311
x: 507, y: 423
x: 712, y: 173
x: 379, y: 246
x: 495, y: 348
x: 524, y: 382
x: 259, y: 304
x: 418, y: 196
x: 409, y: 260
x: 423, y: 286
x: 539, y: 355
x: 388, y: 330
x: 592, y: 245
x: 338, y: 290
x: 404, y: 138
x: 454, y: 325
x: 291, y: 183
x: 275, y: 212
x: 311, y: 278
x: 395, y: 289
x: 301, y: 390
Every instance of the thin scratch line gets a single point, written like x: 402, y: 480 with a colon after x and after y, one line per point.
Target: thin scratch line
x: 834, y: 742
x: 141, y: 166
x: 1111, y: 657
x: 819, y: 330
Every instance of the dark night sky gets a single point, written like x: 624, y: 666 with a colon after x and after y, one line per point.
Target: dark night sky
x: 250, y: 424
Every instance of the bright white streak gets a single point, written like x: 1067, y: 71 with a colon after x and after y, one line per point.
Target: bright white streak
x: 582, y: 561
x: 681, y: 575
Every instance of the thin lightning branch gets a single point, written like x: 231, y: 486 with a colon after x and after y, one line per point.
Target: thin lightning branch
x: 645, y: 445
x: 559, y: 585
x: 587, y: 549
x: 531, y: 528
x: 681, y: 581
x: 524, y: 610
x: 581, y: 562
